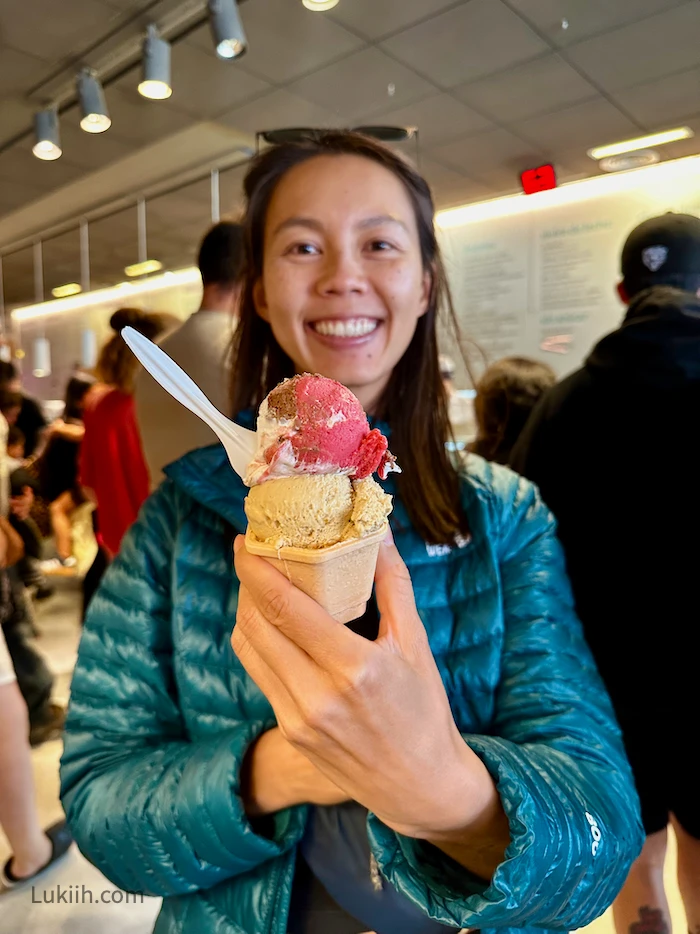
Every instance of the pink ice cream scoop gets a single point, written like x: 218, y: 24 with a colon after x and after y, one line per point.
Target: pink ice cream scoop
x: 313, y: 425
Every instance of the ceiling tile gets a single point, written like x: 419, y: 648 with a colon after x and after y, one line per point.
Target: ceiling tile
x: 439, y: 118
x: 593, y: 123
x: 90, y: 151
x: 663, y: 101
x: 15, y: 117
x: 450, y: 187
x: 35, y: 28
x: 276, y: 110
x: 377, y: 18
x: 18, y: 70
x: 204, y: 86
x: 527, y: 90
x: 357, y: 86
x: 654, y: 48
x: 286, y: 41
x: 586, y: 17
x: 20, y: 165
x: 16, y: 195
x: 490, y: 156
x: 138, y: 120
x: 475, y: 39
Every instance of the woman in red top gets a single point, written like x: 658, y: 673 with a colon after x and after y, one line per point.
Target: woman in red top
x: 112, y: 464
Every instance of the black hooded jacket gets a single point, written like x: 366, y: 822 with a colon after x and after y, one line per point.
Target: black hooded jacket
x: 615, y: 450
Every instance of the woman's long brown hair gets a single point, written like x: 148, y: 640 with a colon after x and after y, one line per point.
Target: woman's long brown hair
x: 414, y: 403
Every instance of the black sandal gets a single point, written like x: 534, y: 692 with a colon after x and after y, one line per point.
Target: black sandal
x: 61, y: 840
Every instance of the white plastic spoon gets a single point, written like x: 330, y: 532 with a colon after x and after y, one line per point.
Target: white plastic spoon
x: 239, y: 443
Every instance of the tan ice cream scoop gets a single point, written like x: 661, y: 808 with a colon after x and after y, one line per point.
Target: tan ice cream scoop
x: 305, y: 511
x: 314, y: 511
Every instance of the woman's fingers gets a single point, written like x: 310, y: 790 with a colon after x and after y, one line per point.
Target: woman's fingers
x: 296, y: 616
x: 261, y: 673
x: 254, y: 634
x: 400, y: 623
x: 299, y: 691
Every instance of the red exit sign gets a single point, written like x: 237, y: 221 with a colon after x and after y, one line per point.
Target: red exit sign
x: 542, y: 179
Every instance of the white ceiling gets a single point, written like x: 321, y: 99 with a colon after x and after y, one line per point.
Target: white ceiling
x: 494, y: 86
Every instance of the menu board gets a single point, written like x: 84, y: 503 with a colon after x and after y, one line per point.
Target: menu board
x: 541, y: 281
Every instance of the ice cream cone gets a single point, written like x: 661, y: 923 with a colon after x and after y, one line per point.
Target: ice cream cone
x: 340, y: 577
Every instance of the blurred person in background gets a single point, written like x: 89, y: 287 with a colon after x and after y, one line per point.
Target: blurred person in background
x: 11, y: 406
x: 112, y: 468
x: 506, y: 394
x: 33, y: 849
x: 463, y: 711
x: 30, y: 418
x: 461, y: 407
x: 22, y: 485
x: 614, y: 449
x: 200, y: 346
x: 58, y: 466
x: 15, y: 447
x: 35, y: 681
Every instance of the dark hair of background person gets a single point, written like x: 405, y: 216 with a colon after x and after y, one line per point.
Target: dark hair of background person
x: 117, y: 365
x: 76, y: 390
x: 221, y: 255
x: 505, y: 396
x: 9, y: 400
x: 15, y: 436
x: 414, y: 402
x: 8, y: 372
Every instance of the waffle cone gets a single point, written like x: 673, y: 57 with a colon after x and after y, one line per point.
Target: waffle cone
x: 340, y: 578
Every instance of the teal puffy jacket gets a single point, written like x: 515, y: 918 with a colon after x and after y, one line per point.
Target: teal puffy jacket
x: 162, y: 714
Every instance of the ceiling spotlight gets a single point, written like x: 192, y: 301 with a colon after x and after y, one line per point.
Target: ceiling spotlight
x: 48, y: 136
x: 320, y: 6
x: 92, y: 103
x: 42, y: 358
x: 644, y: 142
x: 155, y: 82
x: 143, y: 269
x: 226, y: 28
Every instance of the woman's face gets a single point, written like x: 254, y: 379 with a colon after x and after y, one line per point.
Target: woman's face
x: 343, y: 283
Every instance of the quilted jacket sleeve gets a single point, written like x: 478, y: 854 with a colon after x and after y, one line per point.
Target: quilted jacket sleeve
x: 154, y: 812
x: 554, y: 752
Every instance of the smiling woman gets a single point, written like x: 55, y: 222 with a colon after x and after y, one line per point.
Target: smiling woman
x: 451, y: 759
x: 351, y: 287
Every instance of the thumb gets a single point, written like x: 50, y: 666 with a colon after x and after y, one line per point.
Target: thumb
x: 398, y: 617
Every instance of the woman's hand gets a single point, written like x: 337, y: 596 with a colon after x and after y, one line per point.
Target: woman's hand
x: 278, y: 776
x: 373, y: 717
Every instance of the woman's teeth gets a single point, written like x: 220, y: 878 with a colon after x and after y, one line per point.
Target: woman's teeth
x: 352, y: 327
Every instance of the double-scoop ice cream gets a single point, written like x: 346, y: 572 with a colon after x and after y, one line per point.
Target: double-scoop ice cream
x: 311, y: 477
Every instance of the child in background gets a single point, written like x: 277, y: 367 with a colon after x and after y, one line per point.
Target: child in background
x: 505, y: 396
x: 15, y: 448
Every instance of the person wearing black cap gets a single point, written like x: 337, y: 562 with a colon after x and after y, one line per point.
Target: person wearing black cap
x: 615, y: 450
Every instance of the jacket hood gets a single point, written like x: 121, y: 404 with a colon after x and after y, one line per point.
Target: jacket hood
x: 658, y: 344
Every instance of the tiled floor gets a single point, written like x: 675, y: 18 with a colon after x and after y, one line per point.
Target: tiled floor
x: 22, y: 912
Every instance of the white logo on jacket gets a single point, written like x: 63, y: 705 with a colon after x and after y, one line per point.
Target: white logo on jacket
x: 654, y: 257
x: 595, y: 833
x: 439, y: 551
